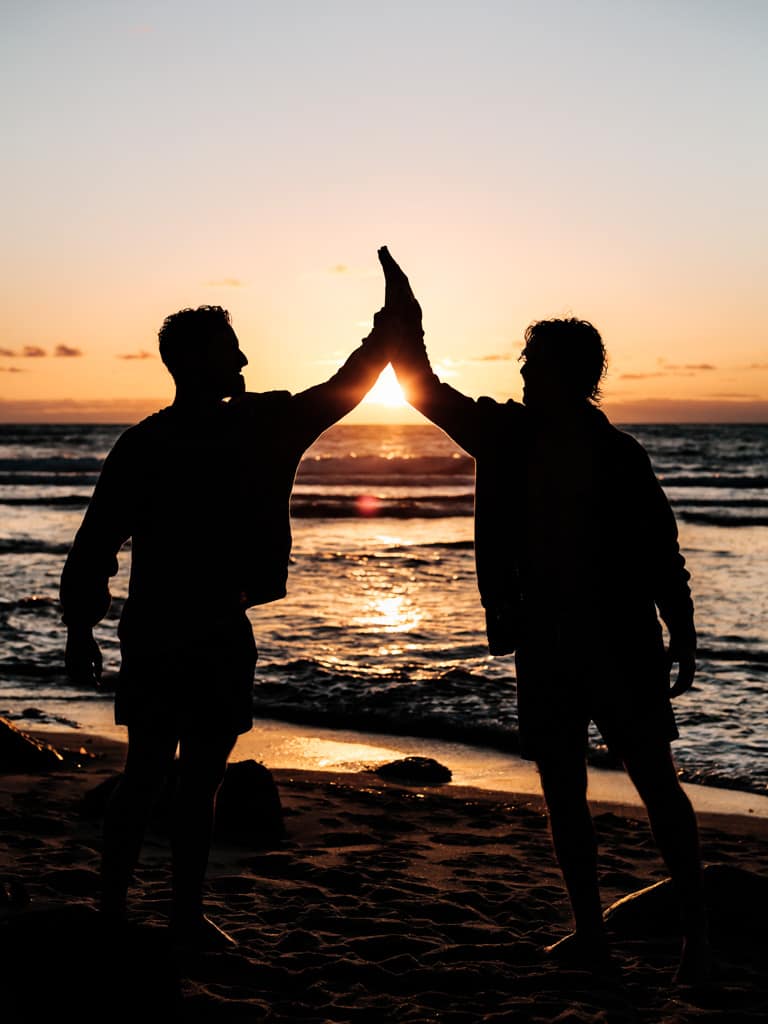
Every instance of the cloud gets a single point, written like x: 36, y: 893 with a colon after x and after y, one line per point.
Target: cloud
x: 687, y: 410
x: 11, y: 369
x: 498, y: 357
x: 734, y: 394
x: 343, y: 270
x: 225, y: 282
x: 38, y: 352
x: 141, y: 354
x: 68, y: 410
x: 669, y: 369
x: 675, y: 368
x: 639, y: 376
x: 758, y: 366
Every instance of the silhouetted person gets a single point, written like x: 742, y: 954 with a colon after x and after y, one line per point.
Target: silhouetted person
x: 576, y: 549
x: 202, y: 489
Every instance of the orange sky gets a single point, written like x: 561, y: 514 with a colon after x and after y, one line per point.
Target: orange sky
x: 522, y: 161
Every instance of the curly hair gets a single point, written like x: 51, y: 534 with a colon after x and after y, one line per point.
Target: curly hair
x: 188, y: 330
x: 576, y: 346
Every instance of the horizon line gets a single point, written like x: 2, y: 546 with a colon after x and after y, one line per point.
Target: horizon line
x: 126, y: 411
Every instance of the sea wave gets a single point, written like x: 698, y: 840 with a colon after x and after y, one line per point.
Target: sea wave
x: 322, y: 467
x: 52, y: 464
x: 33, y: 602
x: 60, y: 500
x: 456, y: 705
x: 355, y: 506
x: 716, y: 480
x: 32, y: 546
x: 742, y: 654
x: 721, y: 519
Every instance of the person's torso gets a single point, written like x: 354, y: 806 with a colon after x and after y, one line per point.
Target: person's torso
x: 209, y: 511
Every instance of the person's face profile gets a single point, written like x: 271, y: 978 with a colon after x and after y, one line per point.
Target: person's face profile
x: 543, y: 381
x: 221, y: 360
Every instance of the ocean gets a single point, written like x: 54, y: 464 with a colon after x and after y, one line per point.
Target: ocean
x: 383, y: 629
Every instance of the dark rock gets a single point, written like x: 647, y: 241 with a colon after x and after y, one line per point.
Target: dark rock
x: 20, y: 752
x: 737, y: 900
x: 248, y: 807
x: 94, y: 801
x: 421, y: 770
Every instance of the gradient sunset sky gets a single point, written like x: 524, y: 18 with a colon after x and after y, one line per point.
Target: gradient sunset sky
x: 522, y: 160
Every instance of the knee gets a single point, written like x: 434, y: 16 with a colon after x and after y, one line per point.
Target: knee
x: 135, y: 788
x: 199, y: 787
x: 564, y: 798
x: 669, y: 800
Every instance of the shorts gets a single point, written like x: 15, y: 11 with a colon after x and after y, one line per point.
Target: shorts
x: 567, y: 678
x: 198, y: 678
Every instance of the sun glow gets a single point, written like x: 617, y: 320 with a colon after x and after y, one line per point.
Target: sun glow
x: 386, y: 391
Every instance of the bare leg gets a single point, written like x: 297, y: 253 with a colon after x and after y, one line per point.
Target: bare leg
x: 564, y: 782
x: 674, y: 828
x: 149, y: 758
x: 202, y: 763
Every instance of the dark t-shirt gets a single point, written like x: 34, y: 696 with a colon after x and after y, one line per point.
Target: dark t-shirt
x: 570, y: 520
x: 204, y: 497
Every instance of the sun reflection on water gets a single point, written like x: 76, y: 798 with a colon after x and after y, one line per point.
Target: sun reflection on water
x: 389, y: 613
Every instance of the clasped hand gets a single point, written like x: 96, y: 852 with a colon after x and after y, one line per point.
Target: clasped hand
x: 398, y: 323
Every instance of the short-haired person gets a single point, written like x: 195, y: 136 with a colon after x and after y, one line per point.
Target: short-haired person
x: 202, y: 490
x: 576, y: 548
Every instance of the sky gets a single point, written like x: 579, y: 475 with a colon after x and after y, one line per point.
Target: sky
x: 522, y: 160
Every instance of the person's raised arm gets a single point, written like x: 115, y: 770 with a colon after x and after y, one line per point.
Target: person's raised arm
x: 464, y: 419
x: 320, y: 406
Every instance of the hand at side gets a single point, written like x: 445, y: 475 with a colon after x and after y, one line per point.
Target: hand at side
x: 685, y: 657
x: 82, y: 657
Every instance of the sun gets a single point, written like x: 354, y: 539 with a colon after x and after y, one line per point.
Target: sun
x: 386, y: 391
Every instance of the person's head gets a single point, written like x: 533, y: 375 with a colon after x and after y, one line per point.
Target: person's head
x: 201, y: 351
x: 563, y: 363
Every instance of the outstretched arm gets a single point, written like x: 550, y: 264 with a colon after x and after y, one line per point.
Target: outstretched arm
x: 464, y: 419
x: 319, y: 407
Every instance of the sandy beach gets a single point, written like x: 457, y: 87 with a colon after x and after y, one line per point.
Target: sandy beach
x: 384, y: 902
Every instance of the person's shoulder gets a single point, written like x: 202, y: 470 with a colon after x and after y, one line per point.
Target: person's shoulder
x: 259, y: 404
x: 146, y: 434
x: 502, y: 416
x: 507, y: 409
x: 622, y: 443
x: 147, y: 429
x: 627, y: 442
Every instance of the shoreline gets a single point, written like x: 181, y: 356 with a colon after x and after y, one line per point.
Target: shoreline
x: 288, y: 749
